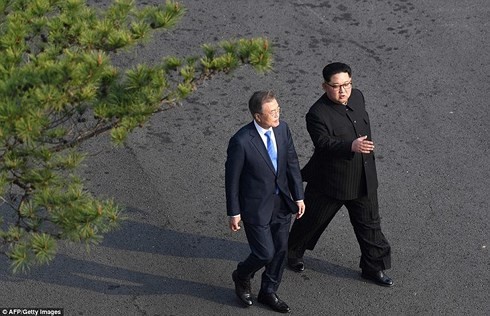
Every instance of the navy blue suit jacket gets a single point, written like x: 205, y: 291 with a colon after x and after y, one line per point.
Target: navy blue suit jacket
x: 250, y: 179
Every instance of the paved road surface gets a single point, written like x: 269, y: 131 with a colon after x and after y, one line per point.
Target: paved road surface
x: 424, y: 68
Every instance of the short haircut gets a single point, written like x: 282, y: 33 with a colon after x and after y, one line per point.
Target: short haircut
x: 259, y: 98
x: 335, y: 68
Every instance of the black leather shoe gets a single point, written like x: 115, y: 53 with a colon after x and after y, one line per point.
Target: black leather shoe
x: 379, y: 277
x: 242, y: 289
x: 296, y: 264
x: 274, y: 302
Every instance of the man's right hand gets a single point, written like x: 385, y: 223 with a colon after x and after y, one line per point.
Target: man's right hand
x: 362, y: 145
x: 235, y: 223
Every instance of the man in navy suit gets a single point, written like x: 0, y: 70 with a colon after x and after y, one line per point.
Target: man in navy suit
x: 263, y: 188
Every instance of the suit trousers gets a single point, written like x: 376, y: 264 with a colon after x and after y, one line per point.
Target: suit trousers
x: 268, y: 245
x: 364, y: 217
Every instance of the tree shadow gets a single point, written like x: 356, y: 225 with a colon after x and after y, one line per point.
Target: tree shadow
x: 140, y: 237
x: 147, y: 238
x: 81, y: 274
x: 136, y: 236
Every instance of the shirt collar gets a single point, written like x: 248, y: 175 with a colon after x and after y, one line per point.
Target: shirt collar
x: 260, y: 129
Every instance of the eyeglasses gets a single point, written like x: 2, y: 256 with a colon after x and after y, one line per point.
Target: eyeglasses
x: 274, y: 112
x: 345, y: 86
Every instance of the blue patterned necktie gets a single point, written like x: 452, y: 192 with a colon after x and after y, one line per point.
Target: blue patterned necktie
x: 271, y: 150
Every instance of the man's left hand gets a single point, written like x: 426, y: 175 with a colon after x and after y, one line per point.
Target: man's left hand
x: 301, y: 209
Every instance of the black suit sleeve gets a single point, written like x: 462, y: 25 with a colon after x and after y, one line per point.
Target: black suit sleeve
x: 323, y: 137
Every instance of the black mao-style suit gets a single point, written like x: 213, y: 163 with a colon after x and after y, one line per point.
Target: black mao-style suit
x: 337, y: 176
x: 264, y: 198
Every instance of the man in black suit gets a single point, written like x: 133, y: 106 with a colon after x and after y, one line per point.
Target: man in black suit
x: 263, y: 188
x: 342, y: 171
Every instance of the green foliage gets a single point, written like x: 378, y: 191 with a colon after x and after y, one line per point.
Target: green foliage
x: 254, y: 51
x: 38, y: 248
x: 59, y: 88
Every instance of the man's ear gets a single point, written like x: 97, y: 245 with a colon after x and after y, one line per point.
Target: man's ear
x: 324, y: 86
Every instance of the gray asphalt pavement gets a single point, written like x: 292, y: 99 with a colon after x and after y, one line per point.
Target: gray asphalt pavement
x: 424, y: 67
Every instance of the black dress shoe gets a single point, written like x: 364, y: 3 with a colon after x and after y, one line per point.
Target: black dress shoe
x: 274, y: 302
x: 379, y: 277
x: 296, y: 264
x: 242, y: 289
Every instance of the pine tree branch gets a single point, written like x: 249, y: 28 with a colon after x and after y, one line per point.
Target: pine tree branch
x: 78, y: 140
x: 59, y: 89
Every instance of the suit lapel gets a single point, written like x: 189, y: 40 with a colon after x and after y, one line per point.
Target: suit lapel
x: 278, y: 134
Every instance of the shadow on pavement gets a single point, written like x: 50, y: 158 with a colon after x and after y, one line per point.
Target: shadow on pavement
x: 334, y: 270
x: 81, y: 274
x: 135, y: 236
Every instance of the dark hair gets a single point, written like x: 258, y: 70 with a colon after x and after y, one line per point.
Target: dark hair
x: 335, y: 68
x: 259, y: 98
